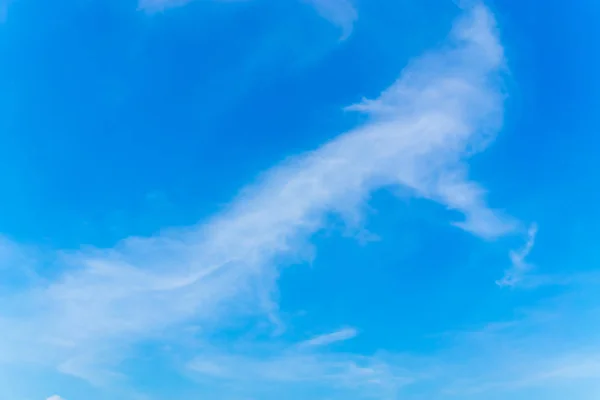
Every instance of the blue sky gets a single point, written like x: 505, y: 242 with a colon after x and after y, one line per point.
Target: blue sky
x: 299, y: 199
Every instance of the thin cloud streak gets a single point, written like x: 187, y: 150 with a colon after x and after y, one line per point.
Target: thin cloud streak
x: 527, y: 353
x: 330, y: 338
x: 300, y: 366
x: 514, y: 276
x: 446, y: 105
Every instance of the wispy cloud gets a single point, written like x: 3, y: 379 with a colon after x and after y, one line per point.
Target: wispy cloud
x: 524, y: 354
x: 519, y: 265
x: 55, y: 397
x: 539, y: 372
x: 446, y: 105
x: 330, y: 338
x: 340, y: 12
x: 363, y: 376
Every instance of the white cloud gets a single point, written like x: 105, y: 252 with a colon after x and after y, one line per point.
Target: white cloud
x: 55, y: 397
x: 445, y: 105
x: 519, y: 266
x: 537, y: 352
x: 362, y: 376
x: 330, y: 338
x: 340, y: 12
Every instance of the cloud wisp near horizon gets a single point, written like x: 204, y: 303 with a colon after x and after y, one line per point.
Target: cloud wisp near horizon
x: 207, y: 297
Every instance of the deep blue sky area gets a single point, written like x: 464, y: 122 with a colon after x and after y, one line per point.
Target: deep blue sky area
x: 190, y: 208
x: 118, y: 124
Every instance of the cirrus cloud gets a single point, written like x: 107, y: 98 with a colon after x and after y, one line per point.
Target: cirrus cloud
x: 421, y: 130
